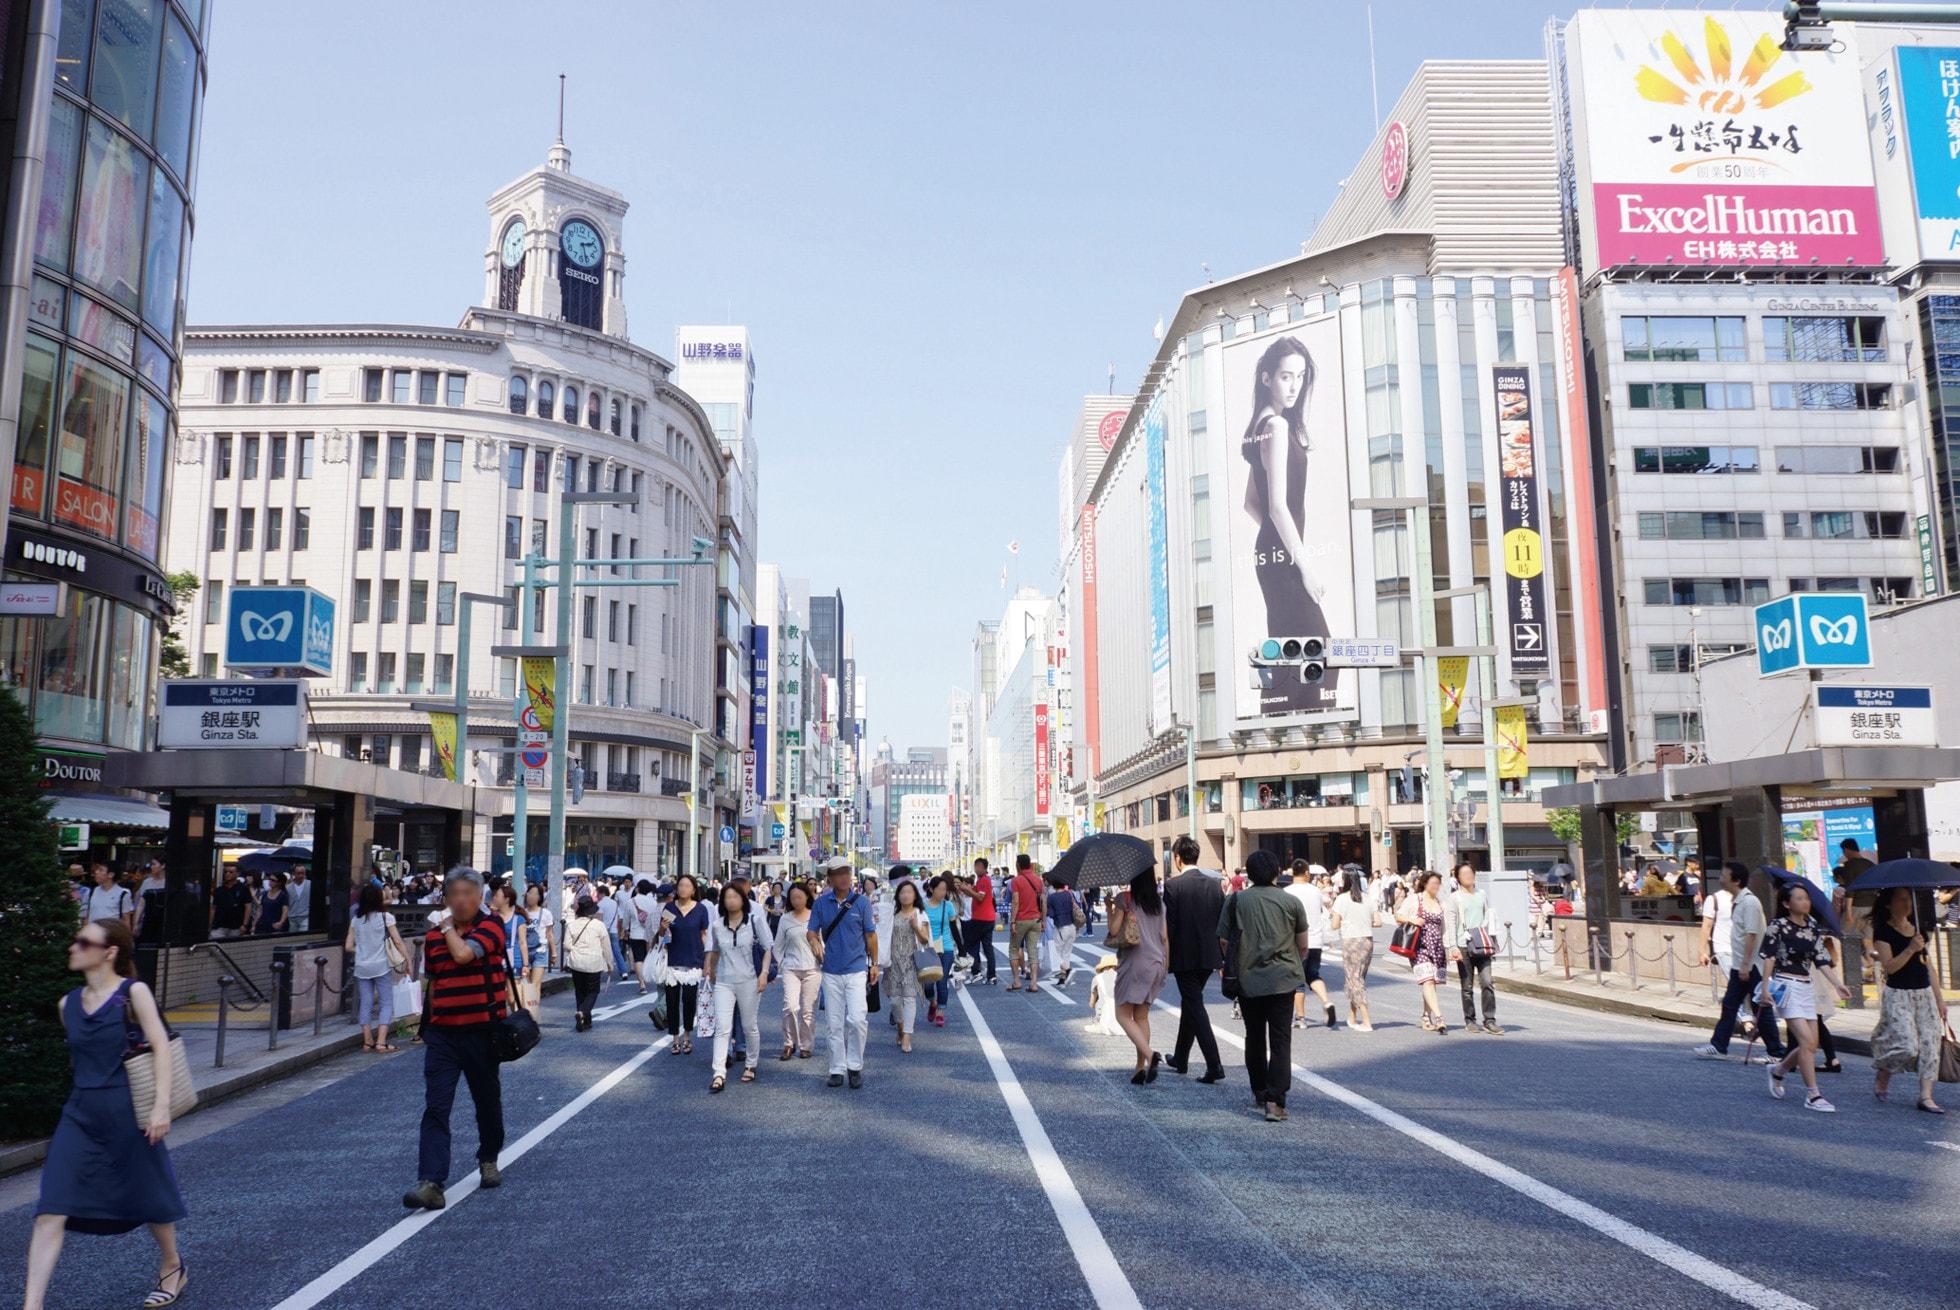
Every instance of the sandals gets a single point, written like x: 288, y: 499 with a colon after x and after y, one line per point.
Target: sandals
x: 748, y: 1076
x: 385, y: 1049
x: 717, y: 1083
x: 367, y: 1046
x: 803, y: 1053
x: 1928, y: 1107
x: 162, y: 1298
x: 787, y: 1052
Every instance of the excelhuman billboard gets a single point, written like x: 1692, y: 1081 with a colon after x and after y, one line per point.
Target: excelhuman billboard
x: 1700, y: 141
x: 1288, y: 541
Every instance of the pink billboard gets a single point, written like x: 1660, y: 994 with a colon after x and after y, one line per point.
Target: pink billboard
x: 1699, y: 223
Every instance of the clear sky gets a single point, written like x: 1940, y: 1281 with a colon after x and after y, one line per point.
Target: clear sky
x: 941, y: 221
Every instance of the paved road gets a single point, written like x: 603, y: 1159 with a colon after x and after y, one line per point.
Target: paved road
x: 1580, y: 1160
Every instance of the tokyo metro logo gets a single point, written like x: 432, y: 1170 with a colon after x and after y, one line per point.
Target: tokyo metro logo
x: 255, y: 627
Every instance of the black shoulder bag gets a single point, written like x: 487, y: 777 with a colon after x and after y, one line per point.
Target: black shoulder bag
x: 1228, y: 982
x: 512, y: 1036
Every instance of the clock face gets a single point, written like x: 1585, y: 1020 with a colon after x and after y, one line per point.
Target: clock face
x: 514, y: 243
x: 581, y: 243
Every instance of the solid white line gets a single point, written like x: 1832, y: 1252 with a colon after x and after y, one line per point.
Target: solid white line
x: 1946, y: 1146
x: 367, y: 1256
x: 1106, y: 1279
x: 1058, y: 994
x: 1678, y: 1258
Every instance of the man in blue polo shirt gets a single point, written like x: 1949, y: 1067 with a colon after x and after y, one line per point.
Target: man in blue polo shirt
x: 844, y: 936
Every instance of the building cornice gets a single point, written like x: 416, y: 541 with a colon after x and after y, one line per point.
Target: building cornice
x: 303, y: 333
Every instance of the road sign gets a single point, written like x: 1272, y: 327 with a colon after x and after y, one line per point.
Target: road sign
x: 1813, y: 630
x: 1362, y: 653
x: 777, y: 832
x: 233, y: 818
x: 727, y: 835
x: 245, y: 713
x: 280, y: 628
x: 528, y: 722
x: 1850, y: 715
x: 535, y: 755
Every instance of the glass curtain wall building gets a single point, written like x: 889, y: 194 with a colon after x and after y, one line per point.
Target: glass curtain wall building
x: 96, y: 422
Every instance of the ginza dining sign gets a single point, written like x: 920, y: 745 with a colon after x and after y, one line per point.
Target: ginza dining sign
x: 1707, y: 143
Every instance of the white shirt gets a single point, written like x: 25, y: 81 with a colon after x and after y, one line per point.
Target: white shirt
x: 1745, y: 921
x: 640, y: 928
x: 1719, y: 905
x: 1309, y: 896
x: 299, y: 909
x: 111, y: 902
x: 1357, y: 920
x: 609, y: 912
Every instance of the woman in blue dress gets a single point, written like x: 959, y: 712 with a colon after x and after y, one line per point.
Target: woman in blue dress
x: 105, y: 1173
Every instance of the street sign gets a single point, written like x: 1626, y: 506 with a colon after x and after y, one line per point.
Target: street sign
x: 32, y: 598
x: 535, y: 755
x: 233, y: 818
x: 280, y: 628
x: 727, y: 835
x: 1813, y: 630
x: 1873, y: 716
x: 72, y: 836
x: 777, y: 832
x: 529, y: 723
x: 246, y: 713
x: 1362, y: 653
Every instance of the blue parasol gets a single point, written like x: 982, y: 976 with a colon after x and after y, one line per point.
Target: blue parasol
x: 1820, y: 900
x: 1920, y: 875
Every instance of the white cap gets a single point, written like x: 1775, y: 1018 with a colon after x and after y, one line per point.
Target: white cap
x: 836, y: 862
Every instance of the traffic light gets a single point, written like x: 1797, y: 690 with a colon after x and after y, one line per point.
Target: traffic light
x: 1307, y: 654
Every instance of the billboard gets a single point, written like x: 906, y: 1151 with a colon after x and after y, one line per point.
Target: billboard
x: 1288, y: 544
x: 1528, y: 637
x: 1929, y: 84
x: 1091, y: 676
x: 1700, y: 142
x: 1160, y: 569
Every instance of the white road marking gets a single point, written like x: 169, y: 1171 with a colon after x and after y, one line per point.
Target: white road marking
x: 1946, y: 1146
x: 367, y: 1256
x: 1678, y: 1258
x: 1058, y: 994
x: 1106, y: 1279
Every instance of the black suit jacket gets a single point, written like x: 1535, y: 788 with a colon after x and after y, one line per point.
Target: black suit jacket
x: 1192, y: 903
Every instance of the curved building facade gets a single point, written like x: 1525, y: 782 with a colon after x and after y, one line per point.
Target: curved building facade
x: 402, y: 469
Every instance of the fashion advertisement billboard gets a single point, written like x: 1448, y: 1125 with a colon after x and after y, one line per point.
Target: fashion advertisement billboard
x: 1524, y: 542
x: 1701, y: 141
x: 1929, y: 82
x: 1285, y: 517
x: 1160, y: 569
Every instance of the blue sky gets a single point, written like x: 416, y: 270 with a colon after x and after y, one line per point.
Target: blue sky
x: 942, y: 223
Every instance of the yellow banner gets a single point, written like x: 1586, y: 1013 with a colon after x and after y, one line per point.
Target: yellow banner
x: 443, y: 728
x: 541, y: 686
x: 1452, y: 672
x: 1102, y: 817
x: 1513, y: 744
x: 1061, y: 834
x: 1021, y: 843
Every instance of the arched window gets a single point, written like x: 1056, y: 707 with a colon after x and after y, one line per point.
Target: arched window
x: 636, y: 422
x: 545, y: 398
x: 615, y: 416
x: 592, y: 411
x: 571, y: 403
x: 520, y: 394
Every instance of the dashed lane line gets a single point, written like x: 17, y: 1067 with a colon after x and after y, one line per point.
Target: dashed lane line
x: 1708, y: 1273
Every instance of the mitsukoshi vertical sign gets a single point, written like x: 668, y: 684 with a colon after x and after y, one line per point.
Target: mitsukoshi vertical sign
x: 1160, y: 569
x: 1524, y: 540
x: 759, y: 699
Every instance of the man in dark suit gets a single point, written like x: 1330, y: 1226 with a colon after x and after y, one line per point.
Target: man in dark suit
x: 1193, y: 900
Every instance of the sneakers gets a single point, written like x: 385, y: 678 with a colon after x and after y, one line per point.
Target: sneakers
x: 836, y: 1080
x: 1759, y: 1059
x: 1492, y: 1027
x: 1776, y: 1084
x: 488, y: 1175
x: 425, y: 1195
x: 1707, y: 1051
x: 857, y: 1079
x: 1299, y: 1022
x: 1815, y: 1101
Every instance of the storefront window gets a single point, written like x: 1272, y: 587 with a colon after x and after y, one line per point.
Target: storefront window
x: 17, y: 652
x: 71, y: 684
x: 109, y: 225
x: 126, y: 46
x: 129, y: 677
x: 36, y: 421
x: 57, y: 215
x: 94, y: 417
x: 174, y: 100
x: 149, y: 449
x: 164, y: 255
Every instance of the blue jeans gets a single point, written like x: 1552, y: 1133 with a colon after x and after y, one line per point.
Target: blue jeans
x: 1733, y: 996
x: 619, y: 957
x: 449, y: 1054
x: 938, y: 992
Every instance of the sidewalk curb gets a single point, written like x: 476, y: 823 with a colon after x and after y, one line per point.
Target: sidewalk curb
x: 1846, y: 1044
x: 224, y: 1085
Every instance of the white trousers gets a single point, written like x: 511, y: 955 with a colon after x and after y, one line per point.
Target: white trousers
x: 843, y: 1019
x: 731, y: 997
x: 1065, y: 947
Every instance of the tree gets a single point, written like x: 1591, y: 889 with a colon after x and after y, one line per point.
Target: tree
x: 1564, y: 824
x: 40, y: 920
x: 173, y: 661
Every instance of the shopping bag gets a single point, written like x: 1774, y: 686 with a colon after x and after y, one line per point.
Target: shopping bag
x: 705, y: 1028
x: 406, y: 994
x: 1949, y: 1058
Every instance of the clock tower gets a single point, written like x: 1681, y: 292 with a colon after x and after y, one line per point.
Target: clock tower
x: 555, y: 248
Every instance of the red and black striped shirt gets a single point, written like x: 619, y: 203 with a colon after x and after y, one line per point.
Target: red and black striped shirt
x: 461, y: 994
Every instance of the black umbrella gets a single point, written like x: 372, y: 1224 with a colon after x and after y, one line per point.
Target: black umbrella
x: 1820, y: 900
x: 1920, y: 875
x: 1108, y: 859
x: 278, y: 861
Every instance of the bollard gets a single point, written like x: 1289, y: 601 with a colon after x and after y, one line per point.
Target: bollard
x: 1510, y: 945
x: 1537, y: 964
x: 1633, y: 963
x: 1672, y: 988
x: 272, y: 1011
x: 319, y: 989
x: 1599, y: 979
x: 224, y: 1011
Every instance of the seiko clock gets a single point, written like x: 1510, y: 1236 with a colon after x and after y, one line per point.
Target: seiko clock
x: 581, y: 243
x: 514, y: 243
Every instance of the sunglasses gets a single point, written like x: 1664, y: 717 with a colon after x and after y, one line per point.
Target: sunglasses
x: 86, y: 944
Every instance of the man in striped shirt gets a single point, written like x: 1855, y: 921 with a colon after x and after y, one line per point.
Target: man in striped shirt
x: 463, y: 958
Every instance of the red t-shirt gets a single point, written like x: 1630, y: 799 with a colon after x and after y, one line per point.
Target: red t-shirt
x: 469, y: 993
x: 1026, y: 889
x: 983, y: 899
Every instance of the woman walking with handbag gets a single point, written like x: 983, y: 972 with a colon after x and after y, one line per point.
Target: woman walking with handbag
x: 1472, y: 948
x: 1794, y: 948
x: 1139, y: 932
x: 908, y: 934
x: 1355, y: 919
x: 107, y: 1171
x: 684, y: 924
x: 738, y: 972
x: 1911, y: 1011
x: 943, y: 921
x: 1422, y: 909
x: 379, y: 956
x: 802, y: 979
x: 588, y: 954
x: 1067, y: 917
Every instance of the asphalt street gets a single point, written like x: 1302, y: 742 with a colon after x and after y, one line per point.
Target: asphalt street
x: 1579, y: 1160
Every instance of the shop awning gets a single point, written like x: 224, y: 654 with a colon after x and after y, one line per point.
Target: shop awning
x: 108, y: 811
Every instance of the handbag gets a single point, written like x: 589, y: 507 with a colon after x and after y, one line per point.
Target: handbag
x: 926, y: 963
x: 1080, y: 916
x: 1228, y: 980
x: 1949, y: 1057
x: 1405, y: 940
x: 139, y: 1064
x: 1128, y: 932
x: 1478, y: 941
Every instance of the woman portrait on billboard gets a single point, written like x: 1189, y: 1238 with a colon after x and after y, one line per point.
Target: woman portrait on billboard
x: 1276, y: 445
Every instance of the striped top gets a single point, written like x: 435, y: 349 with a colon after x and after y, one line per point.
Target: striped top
x: 462, y: 994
